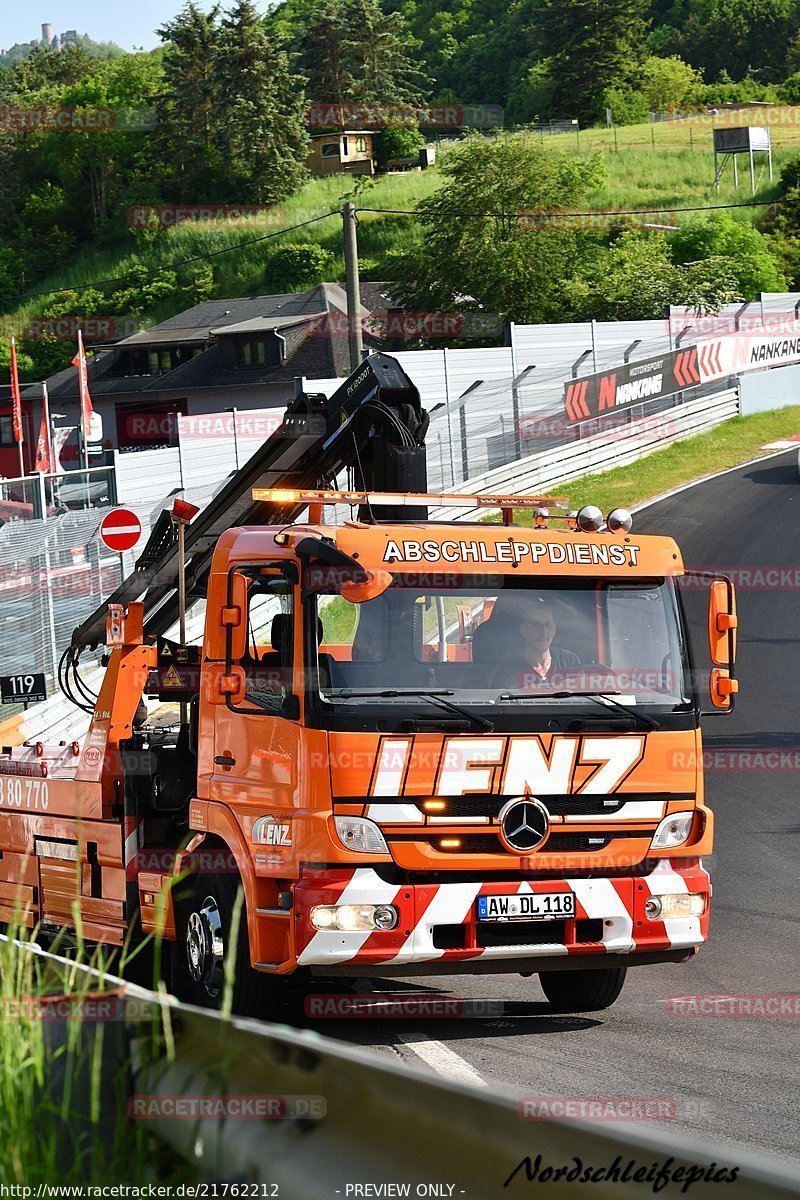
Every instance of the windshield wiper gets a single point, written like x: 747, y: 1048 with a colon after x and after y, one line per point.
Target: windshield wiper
x: 435, y: 697
x: 603, y: 699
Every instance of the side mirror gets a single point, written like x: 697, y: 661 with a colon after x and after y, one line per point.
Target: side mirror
x: 226, y: 615
x: 374, y: 585
x: 722, y: 626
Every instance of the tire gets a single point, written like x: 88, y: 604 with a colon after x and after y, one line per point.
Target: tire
x: 582, y: 991
x: 200, y: 956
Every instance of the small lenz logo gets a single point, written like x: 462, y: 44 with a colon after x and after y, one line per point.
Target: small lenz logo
x: 277, y: 835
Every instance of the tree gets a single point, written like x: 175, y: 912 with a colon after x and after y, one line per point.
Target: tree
x: 637, y: 278
x: 380, y: 43
x: 398, y: 141
x: 186, y: 100
x: 667, y: 82
x: 747, y: 251
x: 742, y: 38
x: 326, y: 56
x: 593, y: 45
x: 258, y: 111
x: 479, y: 252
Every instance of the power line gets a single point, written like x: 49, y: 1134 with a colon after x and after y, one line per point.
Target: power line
x: 265, y: 237
x: 557, y: 215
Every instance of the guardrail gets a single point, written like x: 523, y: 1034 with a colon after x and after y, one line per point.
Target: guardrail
x: 379, y: 1122
x: 615, y: 447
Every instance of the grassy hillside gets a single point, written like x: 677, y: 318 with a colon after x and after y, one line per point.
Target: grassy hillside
x: 668, y: 166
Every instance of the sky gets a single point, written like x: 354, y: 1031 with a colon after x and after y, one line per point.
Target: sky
x: 128, y: 24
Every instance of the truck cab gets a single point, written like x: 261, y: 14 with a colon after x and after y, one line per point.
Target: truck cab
x: 447, y: 747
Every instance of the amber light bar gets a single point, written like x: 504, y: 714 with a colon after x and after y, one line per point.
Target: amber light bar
x: 410, y: 500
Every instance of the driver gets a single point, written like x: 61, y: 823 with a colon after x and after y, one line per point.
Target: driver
x: 536, y: 659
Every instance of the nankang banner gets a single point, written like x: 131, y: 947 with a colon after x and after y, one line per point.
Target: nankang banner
x: 631, y: 383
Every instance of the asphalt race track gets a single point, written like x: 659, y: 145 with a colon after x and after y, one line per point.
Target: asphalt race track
x: 736, y: 1080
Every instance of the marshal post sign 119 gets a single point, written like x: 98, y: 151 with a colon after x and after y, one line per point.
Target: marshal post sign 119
x: 619, y: 387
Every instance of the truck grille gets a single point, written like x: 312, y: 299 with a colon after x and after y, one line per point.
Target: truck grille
x: 489, y: 843
x: 482, y: 805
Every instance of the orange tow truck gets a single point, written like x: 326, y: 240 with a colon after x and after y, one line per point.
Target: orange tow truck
x: 405, y: 746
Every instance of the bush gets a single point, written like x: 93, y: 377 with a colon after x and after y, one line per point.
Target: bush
x: 398, y: 141
x: 668, y: 82
x: 297, y: 266
x: 790, y: 175
x: 789, y: 90
x: 746, y: 250
x: 628, y: 106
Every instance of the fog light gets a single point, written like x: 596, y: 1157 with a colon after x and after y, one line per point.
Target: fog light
x: 683, y: 904
x: 385, y: 916
x: 672, y: 831
x: 354, y: 918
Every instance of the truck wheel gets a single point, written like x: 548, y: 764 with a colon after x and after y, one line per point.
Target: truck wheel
x: 582, y: 991
x: 202, y: 954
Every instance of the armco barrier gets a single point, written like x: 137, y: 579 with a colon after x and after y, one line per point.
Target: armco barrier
x: 538, y: 473
x: 383, y: 1123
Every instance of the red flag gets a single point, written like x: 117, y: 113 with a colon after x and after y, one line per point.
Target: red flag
x: 16, y: 410
x: 44, y: 451
x: 79, y: 361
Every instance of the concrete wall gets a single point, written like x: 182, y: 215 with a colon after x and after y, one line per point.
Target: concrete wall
x: 760, y: 391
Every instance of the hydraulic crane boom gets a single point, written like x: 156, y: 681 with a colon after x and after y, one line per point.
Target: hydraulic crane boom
x: 373, y: 424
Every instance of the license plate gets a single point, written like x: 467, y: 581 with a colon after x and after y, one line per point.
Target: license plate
x: 530, y: 906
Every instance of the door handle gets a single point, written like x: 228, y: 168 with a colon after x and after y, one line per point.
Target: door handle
x: 224, y: 760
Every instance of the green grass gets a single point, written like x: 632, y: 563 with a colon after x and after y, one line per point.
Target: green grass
x: 666, y: 166
x: 736, y: 441
x: 65, y: 1076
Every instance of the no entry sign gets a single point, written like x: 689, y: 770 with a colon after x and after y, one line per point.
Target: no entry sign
x: 120, y: 530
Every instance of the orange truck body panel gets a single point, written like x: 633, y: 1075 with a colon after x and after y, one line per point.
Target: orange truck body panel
x: 68, y: 845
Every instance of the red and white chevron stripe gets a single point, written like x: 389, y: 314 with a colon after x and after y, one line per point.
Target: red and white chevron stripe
x: 618, y: 903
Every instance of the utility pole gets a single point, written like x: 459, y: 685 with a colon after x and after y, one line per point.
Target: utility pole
x: 353, y: 285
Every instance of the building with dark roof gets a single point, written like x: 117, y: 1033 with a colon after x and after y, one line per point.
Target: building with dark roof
x: 243, y: 353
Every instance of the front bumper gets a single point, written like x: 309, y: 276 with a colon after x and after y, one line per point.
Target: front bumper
x: 438, y: 922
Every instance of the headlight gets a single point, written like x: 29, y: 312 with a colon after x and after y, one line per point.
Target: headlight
x: 672, y: 831
x: 360, y: 834
x: 682, y: 905
x: 354, y: 918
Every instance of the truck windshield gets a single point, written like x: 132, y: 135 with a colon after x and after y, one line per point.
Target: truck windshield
x: 500, y: 642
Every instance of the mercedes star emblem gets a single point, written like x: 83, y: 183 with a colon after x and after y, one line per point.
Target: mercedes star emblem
x: 524, y: 824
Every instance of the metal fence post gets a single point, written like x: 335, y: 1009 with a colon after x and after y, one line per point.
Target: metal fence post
x: 39, y: 497
x: 50, y: 613
x: 235, y: 440
x: 180, y: 454
x: 449, y: 419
